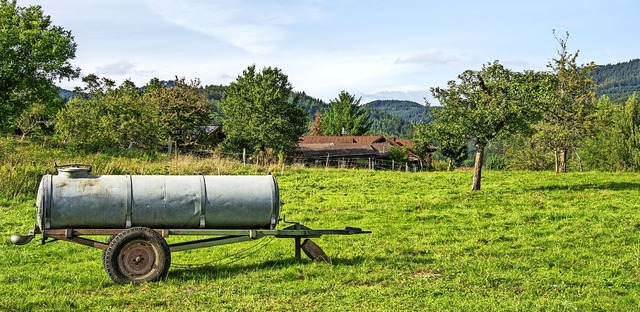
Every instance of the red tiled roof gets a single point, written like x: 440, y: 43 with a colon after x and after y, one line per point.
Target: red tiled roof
x: 321, y: 150
x: 350, y: 146
x: 323, y: 139
x: 401, y: 142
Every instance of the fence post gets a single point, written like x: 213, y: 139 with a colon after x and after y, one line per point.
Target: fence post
x: 244, y: 156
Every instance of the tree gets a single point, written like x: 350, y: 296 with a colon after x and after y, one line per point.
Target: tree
x: 34, y: 54
x: 260, y: 113
x: 32, y: 119
x: 630, y: 129
x: 449, y: 139
x: 315, y: 127
x: 487, y: 104
x: 568, y: 114
x: 398, y: 155
x: 345, y: 116
x: 108, y: 118
x: 153, y: 85
x: 183, y: 111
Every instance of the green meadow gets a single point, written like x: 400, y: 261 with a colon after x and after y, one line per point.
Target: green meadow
x: 529, y: 241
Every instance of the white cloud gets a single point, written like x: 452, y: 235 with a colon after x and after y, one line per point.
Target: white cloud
x: 436, y: 57
x: 254, y: 26
x: 119, y: 68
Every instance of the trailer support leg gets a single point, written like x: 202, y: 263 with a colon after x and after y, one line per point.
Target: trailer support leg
x: 298, y: 255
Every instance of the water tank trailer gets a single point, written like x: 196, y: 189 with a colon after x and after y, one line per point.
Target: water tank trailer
x: 137, y: 213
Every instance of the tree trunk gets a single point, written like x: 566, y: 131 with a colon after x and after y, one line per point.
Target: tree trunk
x: 477, y: 169
x: 450, y: 168
x: 555, y: 155
x: 580, y: 166
x: 563, y: 160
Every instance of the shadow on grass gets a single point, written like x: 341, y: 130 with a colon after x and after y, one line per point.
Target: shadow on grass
x: 614, y: 186
x: 223, y: 271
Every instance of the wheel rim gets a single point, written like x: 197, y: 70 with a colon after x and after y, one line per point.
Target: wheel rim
x: 137, y: 259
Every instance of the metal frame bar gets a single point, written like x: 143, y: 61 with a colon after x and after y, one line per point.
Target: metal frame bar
x: 81, y: 241
x: 216, y: 241
x: 222, y: 236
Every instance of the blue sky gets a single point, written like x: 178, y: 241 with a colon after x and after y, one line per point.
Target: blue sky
x: 373, y: 49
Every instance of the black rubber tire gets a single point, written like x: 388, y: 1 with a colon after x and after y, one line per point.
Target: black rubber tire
x: 104, y: 252
x: 137, y: 255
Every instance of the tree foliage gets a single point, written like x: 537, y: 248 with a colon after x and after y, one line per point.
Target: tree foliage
x: 630, y: 128
x: 107, y: 117
x: 311, y: 105
x: 345, y: 116
x: 449, y: 139
x: 34, y: 54
x: 183, y: 112
x: 568, y: 113
x: 398, y: 155
x: 523, y: 153
x: 487, y: 104
x: 615, y: 141
x: 314, y: 127
x: 261, y: 113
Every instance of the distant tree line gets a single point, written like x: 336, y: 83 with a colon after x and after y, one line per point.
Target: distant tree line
x: 617, y: 81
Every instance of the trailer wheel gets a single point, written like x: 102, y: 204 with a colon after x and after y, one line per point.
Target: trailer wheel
x: 137, y: 255
x: 104, y: 252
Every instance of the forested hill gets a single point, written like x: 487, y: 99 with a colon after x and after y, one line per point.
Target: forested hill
x: 388, y: 117
x: 395, y: 118
x: 407, y: 110
x: 618, y: 81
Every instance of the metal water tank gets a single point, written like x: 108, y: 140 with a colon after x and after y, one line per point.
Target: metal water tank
x: 76, y: 199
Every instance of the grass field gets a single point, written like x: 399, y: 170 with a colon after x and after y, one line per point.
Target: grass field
x: 528, y: 241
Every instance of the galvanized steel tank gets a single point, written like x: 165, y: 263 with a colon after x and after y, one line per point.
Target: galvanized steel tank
x: 75, y: 199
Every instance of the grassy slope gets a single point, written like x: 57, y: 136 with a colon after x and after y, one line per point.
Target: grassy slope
x: 528, y: 241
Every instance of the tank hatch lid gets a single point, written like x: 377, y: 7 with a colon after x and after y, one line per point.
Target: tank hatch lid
x: 73, y: 170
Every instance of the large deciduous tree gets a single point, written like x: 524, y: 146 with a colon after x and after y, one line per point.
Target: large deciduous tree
x: 183, y: 111
x: 34, y: 53
x: 487, y: 104
x: 569, y: 112
x: 345, y: 116
x: 106, y: 117
x: 261, y: 114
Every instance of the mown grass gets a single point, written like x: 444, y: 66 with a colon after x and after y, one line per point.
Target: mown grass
x: 529, y: 241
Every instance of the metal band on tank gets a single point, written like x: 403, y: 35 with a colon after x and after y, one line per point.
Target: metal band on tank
x: 275, y: 203
x: 203, y: 200
x: 129, y: 200
x: 48, y: 197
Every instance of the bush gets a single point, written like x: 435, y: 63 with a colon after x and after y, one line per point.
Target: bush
x: 494, y: 162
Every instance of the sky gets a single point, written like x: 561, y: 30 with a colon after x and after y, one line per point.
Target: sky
x: 373, y: 49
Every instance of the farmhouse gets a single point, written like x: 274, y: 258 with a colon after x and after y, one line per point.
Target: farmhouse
x: 349, y: 147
